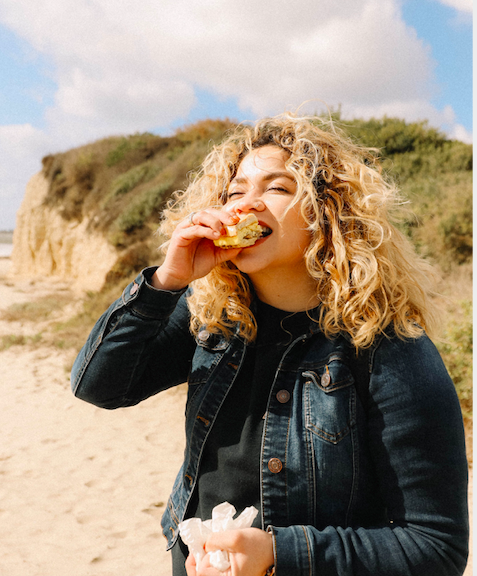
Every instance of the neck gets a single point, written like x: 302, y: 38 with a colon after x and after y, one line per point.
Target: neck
x: 289, y: 293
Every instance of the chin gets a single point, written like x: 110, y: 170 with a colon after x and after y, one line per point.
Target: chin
x: 248, y: 264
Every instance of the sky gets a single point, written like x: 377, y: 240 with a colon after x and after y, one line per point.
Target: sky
x: 73, y: 71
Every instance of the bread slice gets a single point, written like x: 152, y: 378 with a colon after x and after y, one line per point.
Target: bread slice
x: 245, y: 233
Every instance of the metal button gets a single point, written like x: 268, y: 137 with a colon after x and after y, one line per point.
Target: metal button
x: 325, y: 379
x: 283, y: 396
x: 275, y: 465
x: 134, y: 289
x: 203, y: 335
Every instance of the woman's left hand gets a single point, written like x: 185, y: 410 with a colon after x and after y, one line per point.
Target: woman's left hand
x: 250, y: 553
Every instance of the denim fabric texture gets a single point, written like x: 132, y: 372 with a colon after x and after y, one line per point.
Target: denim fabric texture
x: 350, y: 485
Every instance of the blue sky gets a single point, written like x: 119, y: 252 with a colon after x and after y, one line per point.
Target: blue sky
x: 449, y: 34
x: 78, y: 70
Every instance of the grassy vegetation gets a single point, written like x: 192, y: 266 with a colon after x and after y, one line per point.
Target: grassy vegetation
x: 121, y: 184
x: 9, y: 340
x: 35, y: 311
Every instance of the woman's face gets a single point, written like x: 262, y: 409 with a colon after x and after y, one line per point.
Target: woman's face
x: 263, y: 186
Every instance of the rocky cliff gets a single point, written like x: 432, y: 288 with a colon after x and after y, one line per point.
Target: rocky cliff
x: 90, y: 216
x: 45, y: 244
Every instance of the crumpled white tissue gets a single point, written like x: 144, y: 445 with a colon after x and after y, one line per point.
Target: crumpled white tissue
x: 194, y: 532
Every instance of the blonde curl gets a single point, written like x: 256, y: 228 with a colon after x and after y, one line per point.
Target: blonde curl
x: 367, y: 273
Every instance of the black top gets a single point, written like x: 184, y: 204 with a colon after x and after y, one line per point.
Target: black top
x: 230, y: 466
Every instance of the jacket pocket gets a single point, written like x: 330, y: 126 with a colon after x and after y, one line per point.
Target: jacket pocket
x: 208, y: 353
x: 329, y: 401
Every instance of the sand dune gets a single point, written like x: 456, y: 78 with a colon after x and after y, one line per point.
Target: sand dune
x: 82, y: 489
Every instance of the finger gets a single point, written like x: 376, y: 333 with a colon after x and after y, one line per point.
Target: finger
x: 205, y: 569
x: 190, y: 566
x: 215, y: 219
x: 185, y: 234
x: 228, y: 540
x: 197, y: 232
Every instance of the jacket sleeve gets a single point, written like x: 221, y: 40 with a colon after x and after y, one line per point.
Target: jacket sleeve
x: 416, y: 439
x: 140, y: 346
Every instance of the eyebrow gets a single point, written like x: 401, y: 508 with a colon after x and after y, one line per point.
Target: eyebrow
x: 267, y: 178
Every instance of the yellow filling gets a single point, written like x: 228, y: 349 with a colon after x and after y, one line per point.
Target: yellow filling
x: 245, y: 237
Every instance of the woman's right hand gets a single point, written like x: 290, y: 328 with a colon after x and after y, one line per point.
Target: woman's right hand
x: 191, y: 253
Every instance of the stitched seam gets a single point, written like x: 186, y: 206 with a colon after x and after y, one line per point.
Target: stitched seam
x: 286, y: 458
x: 333, y: 386
x: 312, y: 487
x: 355, y: 462
x: 264, y: 436
x: 308, y: 549
x: 334, y: 438
x: 173, y: 513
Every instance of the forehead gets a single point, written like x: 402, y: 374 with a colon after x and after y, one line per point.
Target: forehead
x: 263, y: 160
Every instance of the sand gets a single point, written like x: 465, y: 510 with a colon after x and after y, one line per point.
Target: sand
x: 82, y: 489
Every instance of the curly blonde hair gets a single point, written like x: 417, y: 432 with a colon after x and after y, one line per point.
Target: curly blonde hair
x: 367, y: 273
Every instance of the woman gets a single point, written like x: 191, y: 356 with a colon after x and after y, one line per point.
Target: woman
x: 315, y: 393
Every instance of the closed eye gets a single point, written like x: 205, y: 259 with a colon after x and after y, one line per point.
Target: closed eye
x: 279, y: 189
x: 232, y: 194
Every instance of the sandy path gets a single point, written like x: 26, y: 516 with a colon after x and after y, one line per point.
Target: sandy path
x: 82, y: 489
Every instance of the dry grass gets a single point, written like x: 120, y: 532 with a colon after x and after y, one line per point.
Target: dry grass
x: 45, y: 308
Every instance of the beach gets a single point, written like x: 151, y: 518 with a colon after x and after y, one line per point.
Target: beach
x: 83, y: 489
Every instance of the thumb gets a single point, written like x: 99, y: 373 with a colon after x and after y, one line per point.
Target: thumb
x: 224, y: 254
x: 220, y: 541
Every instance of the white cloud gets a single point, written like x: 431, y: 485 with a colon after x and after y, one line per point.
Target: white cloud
x: 123, y: 67
x: 21, y: 149
x: 120, y: 65
x: 19, y: 143
x: 459, y: 132
x: 460, y: 5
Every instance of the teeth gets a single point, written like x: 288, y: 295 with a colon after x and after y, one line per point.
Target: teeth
x: 265, y: 231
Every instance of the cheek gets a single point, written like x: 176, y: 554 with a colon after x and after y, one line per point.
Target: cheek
x: 298, y: 232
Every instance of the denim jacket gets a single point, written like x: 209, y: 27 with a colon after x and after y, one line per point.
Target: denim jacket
x: 351, y: 483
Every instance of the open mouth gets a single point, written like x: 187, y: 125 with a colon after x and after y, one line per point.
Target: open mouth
x: 266, y: 231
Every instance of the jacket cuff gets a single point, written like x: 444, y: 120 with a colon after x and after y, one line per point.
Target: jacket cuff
x: 292, y: 550
x: 145, y: 300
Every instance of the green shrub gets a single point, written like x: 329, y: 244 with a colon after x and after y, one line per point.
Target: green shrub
x: 118, y: 153
x: 129, y: 264
x: 204, y: 130
x: 442, y: 226
x: 126, y: 182
x: 141, y: 209
x: 84, y: 169
x: 456, y: 231
x: 147, y: 144
x: 456, y: 349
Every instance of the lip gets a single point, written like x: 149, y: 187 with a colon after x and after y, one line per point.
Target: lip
x: 262, y: 223
x: 257, y: 243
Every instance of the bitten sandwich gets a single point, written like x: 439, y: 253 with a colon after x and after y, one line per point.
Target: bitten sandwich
x: 245, y: 233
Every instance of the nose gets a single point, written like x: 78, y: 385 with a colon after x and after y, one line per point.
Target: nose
x: 248, y: 203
